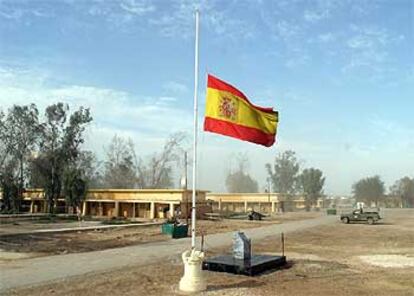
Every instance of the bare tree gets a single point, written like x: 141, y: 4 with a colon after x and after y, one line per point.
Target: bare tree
x: 403, y: 192
x: 119, y: 164
x: 239, y: 180
x: 88, y: 163
x: 123, y: 169
x: 158, y: 171
x: 3, y: 151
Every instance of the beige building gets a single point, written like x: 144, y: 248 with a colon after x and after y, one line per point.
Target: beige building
x: 243, y: 202
x: 130, y: 203
x: 261, y: 202
x: 164, y: 203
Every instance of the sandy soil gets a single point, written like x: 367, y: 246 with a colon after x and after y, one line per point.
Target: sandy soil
x: 322, y: 261
x: 10, y: 225
x: 43, y: 244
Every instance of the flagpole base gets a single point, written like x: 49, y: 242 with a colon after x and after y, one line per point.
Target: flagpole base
x: 193, y: 279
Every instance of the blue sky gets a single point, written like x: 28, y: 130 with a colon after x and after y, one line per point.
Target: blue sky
x: 341, y: 74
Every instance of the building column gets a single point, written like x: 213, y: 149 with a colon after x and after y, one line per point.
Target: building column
x: 133, y: 210
x: 84, y: 206
x: 273, y: 206
x: 31, y: 207
x: 171, y: 209
x: 116, y: 210
x: 152, y: 210
x: 245, y: 206
x: 138, y: 210
x: 219, y: 204
x: 100, y: 209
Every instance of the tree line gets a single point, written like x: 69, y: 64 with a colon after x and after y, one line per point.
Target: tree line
x: 372, y: 191
x: 46, y: 152
x: 284, y: 176
x: 124, y: 169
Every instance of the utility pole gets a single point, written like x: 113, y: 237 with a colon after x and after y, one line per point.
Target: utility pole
x: 268, y: 188
x: 184, y: 186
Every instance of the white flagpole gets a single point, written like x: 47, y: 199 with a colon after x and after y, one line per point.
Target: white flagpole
x: 193, y: 279
x: 193, y: 208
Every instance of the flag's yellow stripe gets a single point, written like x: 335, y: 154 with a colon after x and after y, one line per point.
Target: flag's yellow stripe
x: 246, y: 114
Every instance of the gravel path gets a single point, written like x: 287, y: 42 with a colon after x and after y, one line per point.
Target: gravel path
x: 34, y: 271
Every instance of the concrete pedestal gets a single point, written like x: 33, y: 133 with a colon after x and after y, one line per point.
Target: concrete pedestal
x: 193, y: 278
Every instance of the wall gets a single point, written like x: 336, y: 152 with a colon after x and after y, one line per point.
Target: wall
x: 260, y: 202
x: 249, y: 197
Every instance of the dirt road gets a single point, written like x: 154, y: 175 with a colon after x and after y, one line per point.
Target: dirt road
x: 34, y: 271
x: 30, y: 239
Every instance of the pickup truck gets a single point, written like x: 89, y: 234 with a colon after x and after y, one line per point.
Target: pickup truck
x: 361, y: 216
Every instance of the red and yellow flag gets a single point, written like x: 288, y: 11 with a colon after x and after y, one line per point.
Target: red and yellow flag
x: 230, y: 113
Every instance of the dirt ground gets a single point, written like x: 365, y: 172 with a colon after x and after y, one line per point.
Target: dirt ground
x: 324, y: 260
x: 43, y: 244
x: 12, y: 226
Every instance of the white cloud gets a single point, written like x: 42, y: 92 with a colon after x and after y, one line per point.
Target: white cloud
x: 315, y: 16
x: 363, y: 7
x: 363, y: 49
x: 287, y: 29
x: 13, y: 14
x: 113, y: 111
x: 148, y: 121
x: 326, y: 37
x: 298, y: 97
x: 137, y: 7
x: 365, y: 37
x: 178, y: 20
x: 168, y: 99
x: 391, y: 135
x: 410, y: 74
x: 297, y: 61
x: 175, y: 87
x: 17, y: 11
x: 368, y: 48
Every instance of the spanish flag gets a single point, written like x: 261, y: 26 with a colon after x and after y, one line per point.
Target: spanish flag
x: 230, y: 113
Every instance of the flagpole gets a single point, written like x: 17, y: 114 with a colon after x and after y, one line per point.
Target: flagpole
x: 193, y: 279
x: 193, y: 208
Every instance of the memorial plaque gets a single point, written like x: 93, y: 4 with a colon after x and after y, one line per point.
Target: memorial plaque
x: 241, y: 246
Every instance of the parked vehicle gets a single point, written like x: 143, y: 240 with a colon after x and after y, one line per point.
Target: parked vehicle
x: 361, y: 216
x: 252, y: 215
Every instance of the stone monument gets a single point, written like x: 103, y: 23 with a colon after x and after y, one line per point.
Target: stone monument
x: 241, y: 246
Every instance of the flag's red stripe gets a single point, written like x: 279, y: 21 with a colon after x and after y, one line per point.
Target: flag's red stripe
x: 238, y: 131
x: 214, y: 82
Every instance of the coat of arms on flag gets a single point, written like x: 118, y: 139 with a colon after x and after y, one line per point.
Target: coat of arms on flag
x: 228, y: 108
x: 230, y: 113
